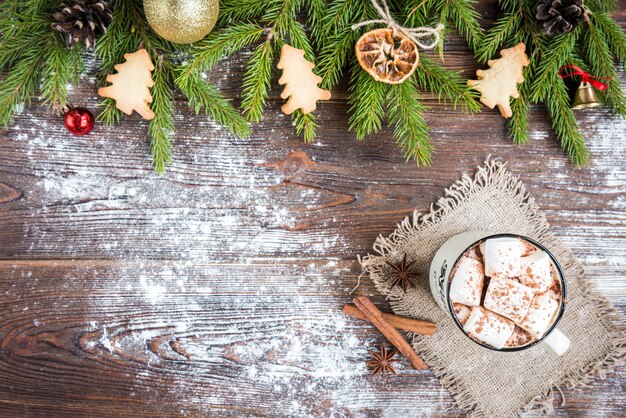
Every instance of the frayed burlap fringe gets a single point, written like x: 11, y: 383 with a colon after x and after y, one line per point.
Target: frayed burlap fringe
x: 494, y: 175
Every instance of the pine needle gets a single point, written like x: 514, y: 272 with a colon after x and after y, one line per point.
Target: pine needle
x: 161, y: 128
x: 305, y: 125
x: 367, y: 103
x: 564, y: 123
x: 614, y: 35
x: 219, y: 45
x: 58, y: 69
x: 205, y: 96
x: 410, y: 127
x: 464, y: 18
x: 518, y: 123
x: 497, y: 38
x: 448, y: 85
x: 598, y: 44
x: 335, y: 56
x: 256, y: 82
x: 598, y: 54
x: 557, y: 52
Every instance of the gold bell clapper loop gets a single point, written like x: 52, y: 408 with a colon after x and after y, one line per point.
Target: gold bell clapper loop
x: 586, y: 96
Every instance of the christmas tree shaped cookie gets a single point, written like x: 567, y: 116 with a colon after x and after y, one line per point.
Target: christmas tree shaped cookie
x: 499, y: 83
x: 130, y: 87
x: 300, y: 82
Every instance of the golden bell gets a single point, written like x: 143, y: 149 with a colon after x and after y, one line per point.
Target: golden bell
x: 586, y: 97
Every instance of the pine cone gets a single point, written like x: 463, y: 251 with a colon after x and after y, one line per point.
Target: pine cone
x: 82, y: 20
x: 559, y: 16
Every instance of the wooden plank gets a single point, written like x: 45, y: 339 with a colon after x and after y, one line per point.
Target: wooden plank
x: 134, y: 336
x: 217, y: 289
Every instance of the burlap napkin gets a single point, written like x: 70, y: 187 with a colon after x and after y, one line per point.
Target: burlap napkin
x: 485, y: 382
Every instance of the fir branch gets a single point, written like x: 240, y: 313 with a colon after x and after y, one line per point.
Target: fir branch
x: 341, y: 15
x: 119, y: 39
x: 512, y: 6
x: 564, y: 122
x: 109, y: 115
x: 316, y: 12
x: 334, y: 57
x: 605, y: 6
x: 447, y: 84
x: 299, y: 39
x: 59, y: 66
x: 598, y: 55
x: 161, y: 128
x: 557, y: 52
x: 410, y: 127
x: 281, y: 16
x: 205, y: 96
x: 305, y: 125
x: 240, y: 10
x: 20, y: 84
x: 209, y: 51
x: 338, y: 39
x: 367, y: 103
x: 18, y: 36
x: 464, y: 18
x: 518, y: 125
x: 420, y: 12
x: 256, y: 82
x: 498, y: 37
x: 614, y: 34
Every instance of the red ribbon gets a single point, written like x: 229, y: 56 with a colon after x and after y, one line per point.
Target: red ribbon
x: 586, y: 77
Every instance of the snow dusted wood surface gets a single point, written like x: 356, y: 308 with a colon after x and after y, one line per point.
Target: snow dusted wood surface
x: 217, y: 289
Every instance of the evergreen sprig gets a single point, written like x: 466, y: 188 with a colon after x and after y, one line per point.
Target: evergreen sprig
x: 458, y: 14
x: 37, y: 63
x: 266, y: 25
x: 595, y: 47
x: 128, y: 32
x: 33, y: 57
x: 371, y: 101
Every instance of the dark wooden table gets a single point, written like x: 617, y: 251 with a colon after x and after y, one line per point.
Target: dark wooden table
x: 216, y: 289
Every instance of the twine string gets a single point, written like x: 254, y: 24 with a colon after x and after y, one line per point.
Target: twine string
x: 431, y: 35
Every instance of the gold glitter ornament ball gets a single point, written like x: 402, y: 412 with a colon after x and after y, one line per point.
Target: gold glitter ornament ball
x: 181, y: 21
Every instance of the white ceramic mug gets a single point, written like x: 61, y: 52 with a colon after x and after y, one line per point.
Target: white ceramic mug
x: 444, y: 262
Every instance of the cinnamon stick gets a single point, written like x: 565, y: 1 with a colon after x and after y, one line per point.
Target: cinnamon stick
x: 398, y: 322
x: 375, y: 316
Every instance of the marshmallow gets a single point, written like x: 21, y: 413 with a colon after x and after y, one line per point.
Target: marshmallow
x: 502, y: 256
x: 536, y: 271
x: 488, y: 327
x: 467, y: 282
x: 462, y: 312
x: 528, y: 248
x: 508, y: 298
x: 540, y: 315
x: 518, y: 338
x: 474, y: 253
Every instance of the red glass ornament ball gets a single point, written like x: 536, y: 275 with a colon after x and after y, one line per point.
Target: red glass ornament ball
x: 79, y: 121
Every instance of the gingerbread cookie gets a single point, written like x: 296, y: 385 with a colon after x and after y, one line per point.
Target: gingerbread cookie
x: 300, y: 82
x: 130, y: 87
x: 499, y: 83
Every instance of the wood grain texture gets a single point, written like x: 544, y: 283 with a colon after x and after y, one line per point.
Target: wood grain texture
x: 217, y: 289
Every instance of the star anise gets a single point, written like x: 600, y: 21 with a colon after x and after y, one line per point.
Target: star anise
x: 382, y: 361
x: 401, y: 274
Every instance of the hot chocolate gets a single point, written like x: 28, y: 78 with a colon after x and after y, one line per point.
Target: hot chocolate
x: 506, y: 292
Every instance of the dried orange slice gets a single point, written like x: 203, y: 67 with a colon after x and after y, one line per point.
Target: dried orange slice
x: 387, y: 55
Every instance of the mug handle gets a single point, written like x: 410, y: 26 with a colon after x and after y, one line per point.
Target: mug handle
x: 556, y: 343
